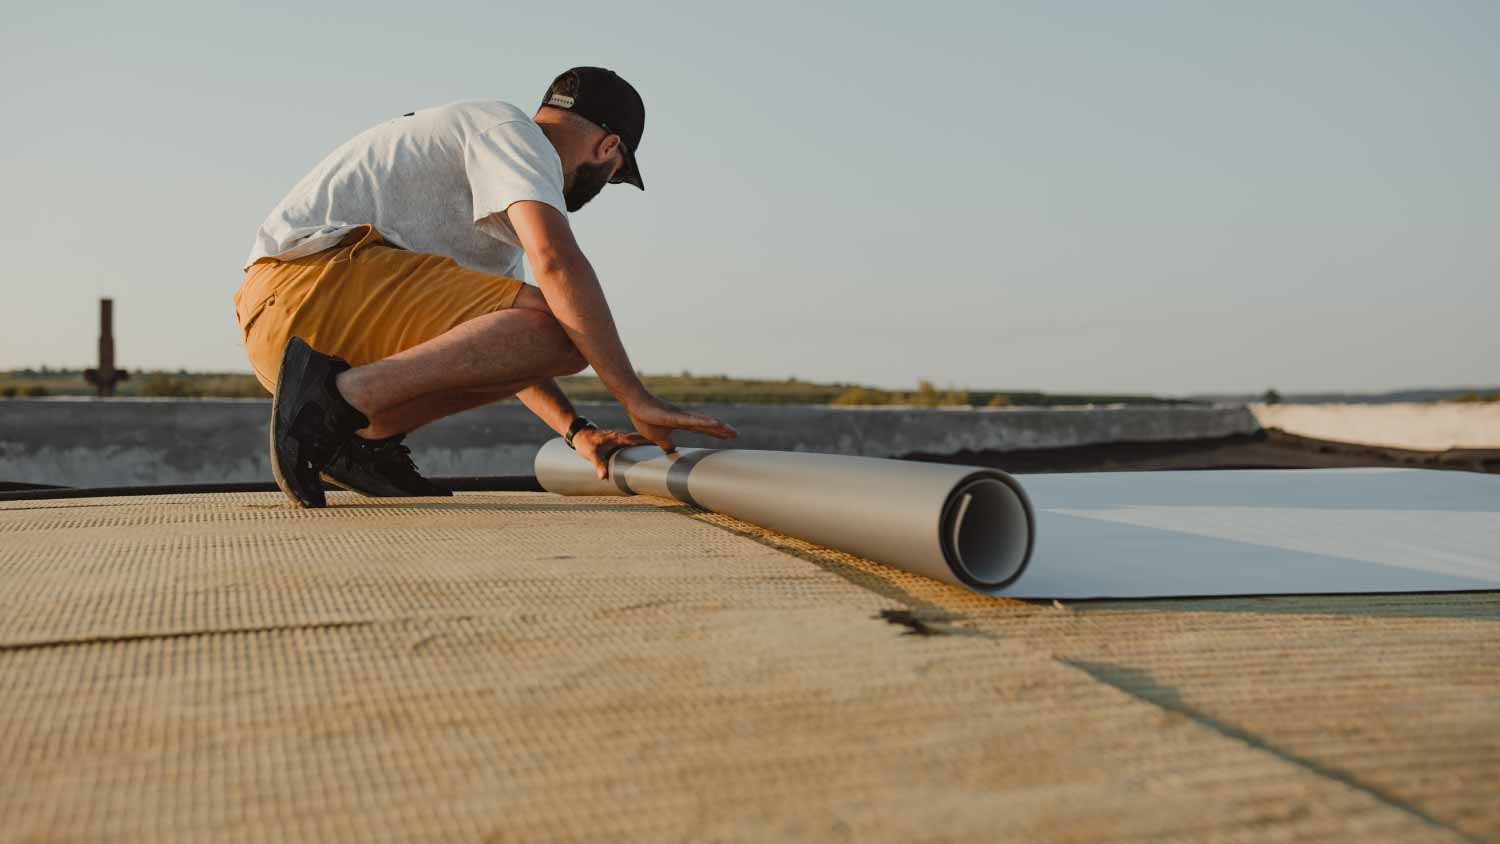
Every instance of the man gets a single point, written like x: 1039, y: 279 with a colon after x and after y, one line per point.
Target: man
x: 383, y: 292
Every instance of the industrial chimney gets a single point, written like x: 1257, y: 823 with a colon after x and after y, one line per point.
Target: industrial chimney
x: 106, y: 376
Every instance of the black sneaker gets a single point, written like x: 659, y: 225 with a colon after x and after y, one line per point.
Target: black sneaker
x: 379, y: 469
x: 310, y: 421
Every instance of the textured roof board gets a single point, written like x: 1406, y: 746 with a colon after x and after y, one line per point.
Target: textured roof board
x: 521, y: 667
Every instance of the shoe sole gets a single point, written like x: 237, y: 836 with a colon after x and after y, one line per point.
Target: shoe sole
x: 341, y: 485
x: 297, y: 354
x: 366, y: 493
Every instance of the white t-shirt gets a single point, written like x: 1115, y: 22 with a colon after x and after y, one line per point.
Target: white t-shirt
x: 437, y: 180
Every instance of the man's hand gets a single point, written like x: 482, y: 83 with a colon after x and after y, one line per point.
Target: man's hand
x: 657, y: 420
x: 596, y: 445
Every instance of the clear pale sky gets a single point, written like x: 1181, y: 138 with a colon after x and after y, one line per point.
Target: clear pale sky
x: 1167, y: 197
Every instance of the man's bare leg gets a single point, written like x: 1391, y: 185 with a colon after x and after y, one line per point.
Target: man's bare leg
x: 412, y: 414
x: 516, y: 346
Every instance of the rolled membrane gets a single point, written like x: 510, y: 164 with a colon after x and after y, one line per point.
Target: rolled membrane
x: 964, y: 525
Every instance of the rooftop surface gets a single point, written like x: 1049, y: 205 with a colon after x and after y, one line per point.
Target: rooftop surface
x: 523, y: 667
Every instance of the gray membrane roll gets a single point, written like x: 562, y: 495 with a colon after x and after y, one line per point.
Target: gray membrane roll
x: 964, y: 525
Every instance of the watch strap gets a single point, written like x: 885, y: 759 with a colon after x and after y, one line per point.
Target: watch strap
x: 578, y: 424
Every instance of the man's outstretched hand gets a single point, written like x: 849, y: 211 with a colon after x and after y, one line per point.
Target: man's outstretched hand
x: 597, y: 444
x: 657, y: 420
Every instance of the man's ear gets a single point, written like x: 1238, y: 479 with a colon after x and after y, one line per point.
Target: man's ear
x: 607, y: 146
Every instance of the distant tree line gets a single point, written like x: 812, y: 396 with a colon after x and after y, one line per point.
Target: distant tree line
x: 682, y: 387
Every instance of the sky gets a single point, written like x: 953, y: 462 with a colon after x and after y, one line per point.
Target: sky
x: 1167, y: 197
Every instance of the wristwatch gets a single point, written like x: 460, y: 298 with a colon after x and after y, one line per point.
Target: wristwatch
x: 579, y: 423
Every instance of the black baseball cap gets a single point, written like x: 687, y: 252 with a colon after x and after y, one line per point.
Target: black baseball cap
x: 604, y: 98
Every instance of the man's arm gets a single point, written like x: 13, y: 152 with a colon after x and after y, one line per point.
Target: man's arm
x: 574, y: 296
x: 576, y: 300
x: 550, y: 405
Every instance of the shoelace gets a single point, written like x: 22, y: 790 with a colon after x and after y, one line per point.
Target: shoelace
x: 393, y: 451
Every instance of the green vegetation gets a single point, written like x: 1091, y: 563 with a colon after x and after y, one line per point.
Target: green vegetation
x: 180, y: 384
x: 29, y: 391
x: 926, y: 395
x: 1476, y: 397
x: 712, y: 389
x: 685, y: 388
x: 212, y: 385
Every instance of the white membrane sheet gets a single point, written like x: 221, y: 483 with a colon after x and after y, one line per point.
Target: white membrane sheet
x: 1261, y: 532
x: 1092, y: 535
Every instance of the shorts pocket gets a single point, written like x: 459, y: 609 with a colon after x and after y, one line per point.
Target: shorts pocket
x: 257, y: 294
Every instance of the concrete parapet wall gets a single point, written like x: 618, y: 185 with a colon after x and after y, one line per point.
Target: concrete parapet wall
x: 120, y: 442
x: 1417, y: 426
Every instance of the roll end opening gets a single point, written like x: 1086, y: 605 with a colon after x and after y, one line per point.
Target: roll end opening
x: 987, y: 532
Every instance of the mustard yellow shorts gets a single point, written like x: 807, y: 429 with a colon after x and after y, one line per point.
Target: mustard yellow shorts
x: 362, y: 300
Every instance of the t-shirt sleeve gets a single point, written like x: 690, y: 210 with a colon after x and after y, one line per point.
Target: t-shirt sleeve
x: 511, y: 162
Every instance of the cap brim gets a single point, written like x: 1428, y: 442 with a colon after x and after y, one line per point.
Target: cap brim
x: 632, y: 170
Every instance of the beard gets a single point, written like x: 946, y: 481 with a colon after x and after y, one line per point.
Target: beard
x: 588, y: 180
